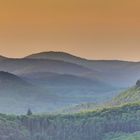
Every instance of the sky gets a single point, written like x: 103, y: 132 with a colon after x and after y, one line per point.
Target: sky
x: 94, y: 29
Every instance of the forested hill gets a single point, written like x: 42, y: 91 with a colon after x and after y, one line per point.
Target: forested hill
x: 105, y: 124
x: 130, y: 95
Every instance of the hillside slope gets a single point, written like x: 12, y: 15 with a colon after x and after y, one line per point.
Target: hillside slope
x: 130, y: 95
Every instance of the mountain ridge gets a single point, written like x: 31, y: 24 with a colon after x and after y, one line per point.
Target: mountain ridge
x: 114, y: 72
x: 107, y: 70
x: 46, y: 54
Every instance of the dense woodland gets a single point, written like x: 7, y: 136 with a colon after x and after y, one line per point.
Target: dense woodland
x: 106, y: 124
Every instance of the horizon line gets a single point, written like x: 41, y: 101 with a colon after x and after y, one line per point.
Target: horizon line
x: 25, y: 57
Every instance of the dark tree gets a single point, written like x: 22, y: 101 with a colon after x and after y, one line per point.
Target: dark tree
x: 138, y: 83
x: 29, y: 112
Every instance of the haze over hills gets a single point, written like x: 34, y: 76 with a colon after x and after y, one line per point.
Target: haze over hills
x: 128, y: 97
x: 87, y: 93
x: 23, y: 94
x: 67, y: 80
x: 31, y: 65
x: 16, y: 94
x: 65, y: 70
x: 117, y: 73
x: 64, y: 80
x: 8, y: 80
x: 79, y: 97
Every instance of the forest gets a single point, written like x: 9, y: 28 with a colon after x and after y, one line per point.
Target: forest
x: 115, y: 123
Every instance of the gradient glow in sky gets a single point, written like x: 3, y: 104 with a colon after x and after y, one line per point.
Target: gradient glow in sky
x: 95, y: 29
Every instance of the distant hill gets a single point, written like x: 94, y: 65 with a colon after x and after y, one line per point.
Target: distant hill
x: 16, y: 94
x: 55, y: 91
x: 54, y: 72
x: 64, y: 80
x: 101, y: 65
x: 2, y: 57
x: 20, y: 66
x: 115, y: 72
x: 55, y: 56
x: 8, y: 80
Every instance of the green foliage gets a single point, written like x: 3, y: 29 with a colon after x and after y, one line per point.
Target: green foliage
x: 11, y: 129
x: 122, y: 136
x: 129, y: 96
x: 85, y: 125
x: 114, y: 123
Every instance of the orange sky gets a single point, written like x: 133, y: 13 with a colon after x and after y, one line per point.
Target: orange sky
x: 95, y: 29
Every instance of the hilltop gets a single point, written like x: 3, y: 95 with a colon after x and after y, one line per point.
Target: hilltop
x: 114, y: 72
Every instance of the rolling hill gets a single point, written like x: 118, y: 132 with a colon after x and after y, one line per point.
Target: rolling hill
x: 8, y: 80
x: 57, y: 92
x: 63, y: 56
x: 56, y: 73
x: 2, y: 57
x: 16, y: 95
x: 115, y: 72
x: 112, y: 72
x: 64, y: 80
x: 20, y: 66
x: 67, y: 80
x: 98, y: 65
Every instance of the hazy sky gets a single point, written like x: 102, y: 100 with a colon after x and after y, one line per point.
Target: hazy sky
x: 95, y: 29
